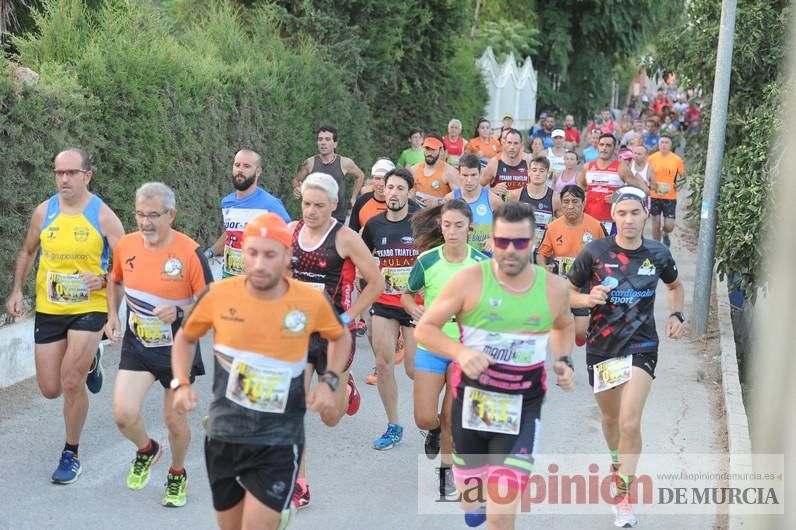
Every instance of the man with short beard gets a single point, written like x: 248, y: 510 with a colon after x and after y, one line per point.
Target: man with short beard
x: 241, y: 206
x: 434, y: 177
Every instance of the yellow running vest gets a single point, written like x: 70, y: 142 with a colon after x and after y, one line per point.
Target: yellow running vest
x: 71, y: 244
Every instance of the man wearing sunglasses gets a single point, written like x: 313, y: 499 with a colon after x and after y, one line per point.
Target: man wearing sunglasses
x: 508, y: 311
x: 621, y: 274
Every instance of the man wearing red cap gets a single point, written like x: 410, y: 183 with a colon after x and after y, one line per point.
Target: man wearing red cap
x: 255, y: 432
x: 434, y: 178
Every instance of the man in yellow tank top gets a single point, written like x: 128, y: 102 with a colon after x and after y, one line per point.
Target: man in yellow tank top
x: 73, y: 233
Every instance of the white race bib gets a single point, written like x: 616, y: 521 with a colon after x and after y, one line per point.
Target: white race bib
x: 612, y: 372
x: 233, y: 261
x: 150, y: 330
x: 395, y: 279
x: 66, y: 288
x: 663, y: 188
x: 564, y: 263
x: 491, y: 411
x: 255, y: 386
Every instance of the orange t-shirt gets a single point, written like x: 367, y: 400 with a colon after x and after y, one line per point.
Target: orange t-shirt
x: 429, y: 186
x: 564, y: 242
x: 483, y: 149
x: 277, y: 329
x: 666, y: 170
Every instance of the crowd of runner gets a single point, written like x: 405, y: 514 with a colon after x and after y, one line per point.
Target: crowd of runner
x: 469, y: 260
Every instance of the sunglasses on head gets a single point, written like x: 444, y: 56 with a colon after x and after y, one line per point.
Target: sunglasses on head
x: 520, y: 243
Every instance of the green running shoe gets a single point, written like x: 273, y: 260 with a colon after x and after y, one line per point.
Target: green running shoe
x: 176, y: 487
x: 138, y: 476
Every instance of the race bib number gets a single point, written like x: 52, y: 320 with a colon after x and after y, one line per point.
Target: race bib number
x: 256, y: 387
x: 542, y: 218
x: 66, y: 288
x: 491, y: 411
x: 150, y: 330
x: 564, y: 265
x: 612, y: 372
x: 233, y: 261
x: 663, y: 188
x: 395, y: 279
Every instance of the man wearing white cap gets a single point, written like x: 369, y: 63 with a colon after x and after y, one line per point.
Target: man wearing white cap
x: 555, y: 155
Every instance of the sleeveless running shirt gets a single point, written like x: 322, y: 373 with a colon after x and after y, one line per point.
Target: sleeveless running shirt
x: 542, y: 211
x: 455, y: 150
x: 481, y: 227
x: 601, y: 184
x: 513, y: 329
x: 560, y: 182
x: 433, y: 186
x: 70, y: 245
x: 335, y: 169
x: 556, y: 162
x: 515, y: 177
x: 324, y: 268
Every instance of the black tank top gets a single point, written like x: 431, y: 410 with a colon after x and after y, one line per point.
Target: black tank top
x: 324, y: 268
x: 542, y: 210
x: 335, y: 169
x: 515, y: 177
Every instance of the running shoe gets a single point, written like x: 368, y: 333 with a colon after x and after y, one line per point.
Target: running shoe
x: 579, y: 341
x: 391, y: 437
x: 176, y: 487
x: 68, y: 469
x: 432, y: 443
x: 354, y: 398
x: 372, y: 379
x: 301, y: 496
x: 97, y: 374
x: 399, y: 348
x: 447, y: 484
x: 623, y: 512
x: 666, y: 241
x: 138, y: 476
x: 362, y: 328
x: 475, y: 518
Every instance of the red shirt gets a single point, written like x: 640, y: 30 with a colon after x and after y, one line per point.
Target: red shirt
x: 572, y: 135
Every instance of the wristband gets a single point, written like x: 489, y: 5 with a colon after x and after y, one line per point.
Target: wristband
x: 209, y: 252
x: 346, y: 319
x: 568, y: 361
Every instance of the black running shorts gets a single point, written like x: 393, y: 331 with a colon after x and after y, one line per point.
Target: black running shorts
x: 52, y: 328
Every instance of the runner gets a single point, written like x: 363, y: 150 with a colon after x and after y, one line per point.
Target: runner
x: 668, y: 167
x: 329, y: 162
x: 454, y: 143
x: 571, y: 133
x: 414, y: 153
x: 508, y: 311
x: 241, y: 206
x: 540, y: 196
x: 509, y: 171
x: 160, y: 272
x: 434, y: 178
x: 621, y: 273
x: 601, y: 178
x: 563, y: 241
x: 441, y: 234
x: 482, y: 144
x: 389, y: 237
x: 255, y: 433
x: 570, y: 173
x: 481, y: 200
x: 325, y: 256
x: 555, y: 155
x: 641, y: 169
x: 592, y: 152
x: 72, y: 234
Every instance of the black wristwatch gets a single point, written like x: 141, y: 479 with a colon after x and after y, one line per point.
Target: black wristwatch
x: 568, y: 361
x: 679, y: 316
x: 331, y: 379
x: 180, y: 313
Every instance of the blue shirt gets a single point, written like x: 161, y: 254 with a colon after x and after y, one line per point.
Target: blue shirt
x: 590, y: 154
x: 259, y: 200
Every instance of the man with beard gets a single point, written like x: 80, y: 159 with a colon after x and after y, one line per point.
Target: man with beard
x: 509, y: 171
x: 434, y: 178
x: 329, y: 162
x: 241, y: 206
x: 508, y: 311
x: 388, y: 236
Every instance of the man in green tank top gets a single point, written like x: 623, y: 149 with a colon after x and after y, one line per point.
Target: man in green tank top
x: 509, y: 311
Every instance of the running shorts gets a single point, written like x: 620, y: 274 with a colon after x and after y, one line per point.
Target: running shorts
x: 52, y: 328
x: 431, y: 362
x: 391, y: 312
x: 317, y: 353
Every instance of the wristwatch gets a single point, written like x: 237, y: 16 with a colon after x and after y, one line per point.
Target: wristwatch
x: 180, y: 313
x: 177, y: 382
x: 331, y: 379
x: 345, y: 318
x: 567, y: 360
x: 209, y: 252
x: 679, y: 316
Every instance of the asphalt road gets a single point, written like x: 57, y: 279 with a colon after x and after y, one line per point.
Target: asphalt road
x: 353, y: 486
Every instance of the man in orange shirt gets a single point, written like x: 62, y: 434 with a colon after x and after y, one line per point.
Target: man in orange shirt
x: 668, y: 166
x: 160, y: 272
x: 255, y: 432
x: 563, y: 240
x: 434, y: 178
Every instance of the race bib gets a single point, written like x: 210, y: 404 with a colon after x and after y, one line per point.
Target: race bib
x: 66, y: 288
x: 612, y: 372
x: 491, y: 411
x: 542, y: 218
x: 395, y: 279
x: 233, y: 261
x: 257, y: 387
x: 319, y: 286
x: 564, y: 264
x: 663, y: 188
x: 150, y: 330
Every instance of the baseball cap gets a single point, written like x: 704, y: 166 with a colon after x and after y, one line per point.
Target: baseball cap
x: 509, y: 116
x: 543, y: 115
x: 270, y: 226
x: 628, y: 193
x: 558, y: 132
x: 381, y: 167
x: 432, y: 143
x: 626, y: 154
